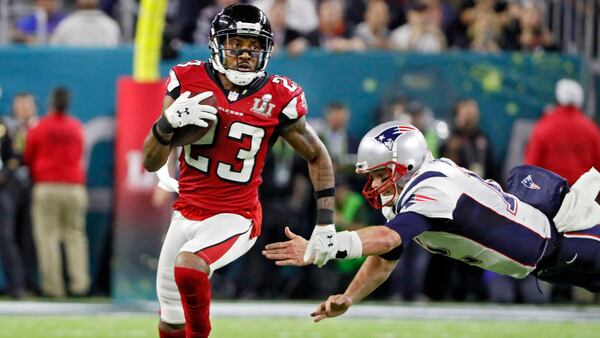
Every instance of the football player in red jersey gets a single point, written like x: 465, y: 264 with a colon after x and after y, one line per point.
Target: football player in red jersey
x: 218, y: 215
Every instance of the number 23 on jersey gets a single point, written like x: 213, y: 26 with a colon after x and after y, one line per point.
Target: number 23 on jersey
x: 225, y: 171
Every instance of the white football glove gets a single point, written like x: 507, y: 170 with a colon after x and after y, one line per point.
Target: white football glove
x: 322, y: 245
x: 165, y: 181
x: 187, y: 110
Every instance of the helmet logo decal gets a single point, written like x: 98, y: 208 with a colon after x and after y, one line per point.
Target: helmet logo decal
x: 528, y: 182
x: 389, y: 135
x: 263, y: 106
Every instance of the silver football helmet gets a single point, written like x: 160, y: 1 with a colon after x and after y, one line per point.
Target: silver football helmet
x: 400, y: 149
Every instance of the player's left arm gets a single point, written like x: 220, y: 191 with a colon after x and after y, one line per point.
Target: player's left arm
x: 302, y: 137
x: 384, y: 241
x: 374, y: 271
x: 157, y: 152
x: 378, y: 240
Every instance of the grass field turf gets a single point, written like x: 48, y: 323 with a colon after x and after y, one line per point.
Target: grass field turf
x: 142, y: 326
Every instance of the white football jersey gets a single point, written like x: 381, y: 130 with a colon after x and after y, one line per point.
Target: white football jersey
x: 451, y: 211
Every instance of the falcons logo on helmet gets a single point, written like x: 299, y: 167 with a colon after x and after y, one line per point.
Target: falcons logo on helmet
x: 389, y: 135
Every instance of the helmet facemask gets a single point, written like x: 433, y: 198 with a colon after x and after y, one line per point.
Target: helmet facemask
x: 219, y: 52
x: 395, y: 172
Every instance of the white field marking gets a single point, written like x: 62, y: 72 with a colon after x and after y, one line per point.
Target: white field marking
x: 468, y: 312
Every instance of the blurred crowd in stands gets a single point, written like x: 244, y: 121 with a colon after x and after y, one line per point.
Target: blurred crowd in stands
x: 427, y: 26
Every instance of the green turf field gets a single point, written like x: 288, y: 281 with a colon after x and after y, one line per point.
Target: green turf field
x: 144, y: 326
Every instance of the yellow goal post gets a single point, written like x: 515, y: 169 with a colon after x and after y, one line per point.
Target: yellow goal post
x: 148, y: 40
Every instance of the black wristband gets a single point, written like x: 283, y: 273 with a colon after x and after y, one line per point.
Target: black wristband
x: 324, y: 216
x: 328, y: 192
x: 158, y: 137
x: 164, y: 126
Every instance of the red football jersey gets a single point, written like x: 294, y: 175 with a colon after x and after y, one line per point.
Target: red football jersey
x: 221, y: 172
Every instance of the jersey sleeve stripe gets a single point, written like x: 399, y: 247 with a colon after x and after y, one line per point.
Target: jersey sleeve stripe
x: 416, y: 181
x: 591, y: 233
x: 583, y: 236
x: 173, y: 81
x: 290, y: 110
x: 420, y: 197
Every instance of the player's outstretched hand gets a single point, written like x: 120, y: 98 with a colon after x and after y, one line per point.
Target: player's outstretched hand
x: 289, y: 252
x: 334, y: 306
x: 187, y: 110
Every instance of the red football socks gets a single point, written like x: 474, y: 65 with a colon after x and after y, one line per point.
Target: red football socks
x: 178, y: 334
x: 194, y: 288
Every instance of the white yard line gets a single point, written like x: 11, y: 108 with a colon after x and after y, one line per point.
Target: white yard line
x: 299, y: 310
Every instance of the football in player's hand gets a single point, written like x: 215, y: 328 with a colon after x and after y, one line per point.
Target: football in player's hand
x: 192, y: 133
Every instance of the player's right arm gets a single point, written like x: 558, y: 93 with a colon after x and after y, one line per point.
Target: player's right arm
x: 155, y: 152
x: 369, y: 241
x: 184, y: 110
x: 374, y: 271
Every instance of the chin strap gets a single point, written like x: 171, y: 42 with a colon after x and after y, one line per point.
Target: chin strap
x: 242, y: 78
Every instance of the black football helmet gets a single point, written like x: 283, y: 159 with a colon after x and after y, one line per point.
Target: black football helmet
x: 240, y: 20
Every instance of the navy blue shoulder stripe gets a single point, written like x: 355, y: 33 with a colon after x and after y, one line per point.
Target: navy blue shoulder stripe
x: 418, y: 180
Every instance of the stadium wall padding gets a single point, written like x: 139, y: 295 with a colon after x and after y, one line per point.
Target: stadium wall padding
x: 140, y: 225
x: 508, y: 86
